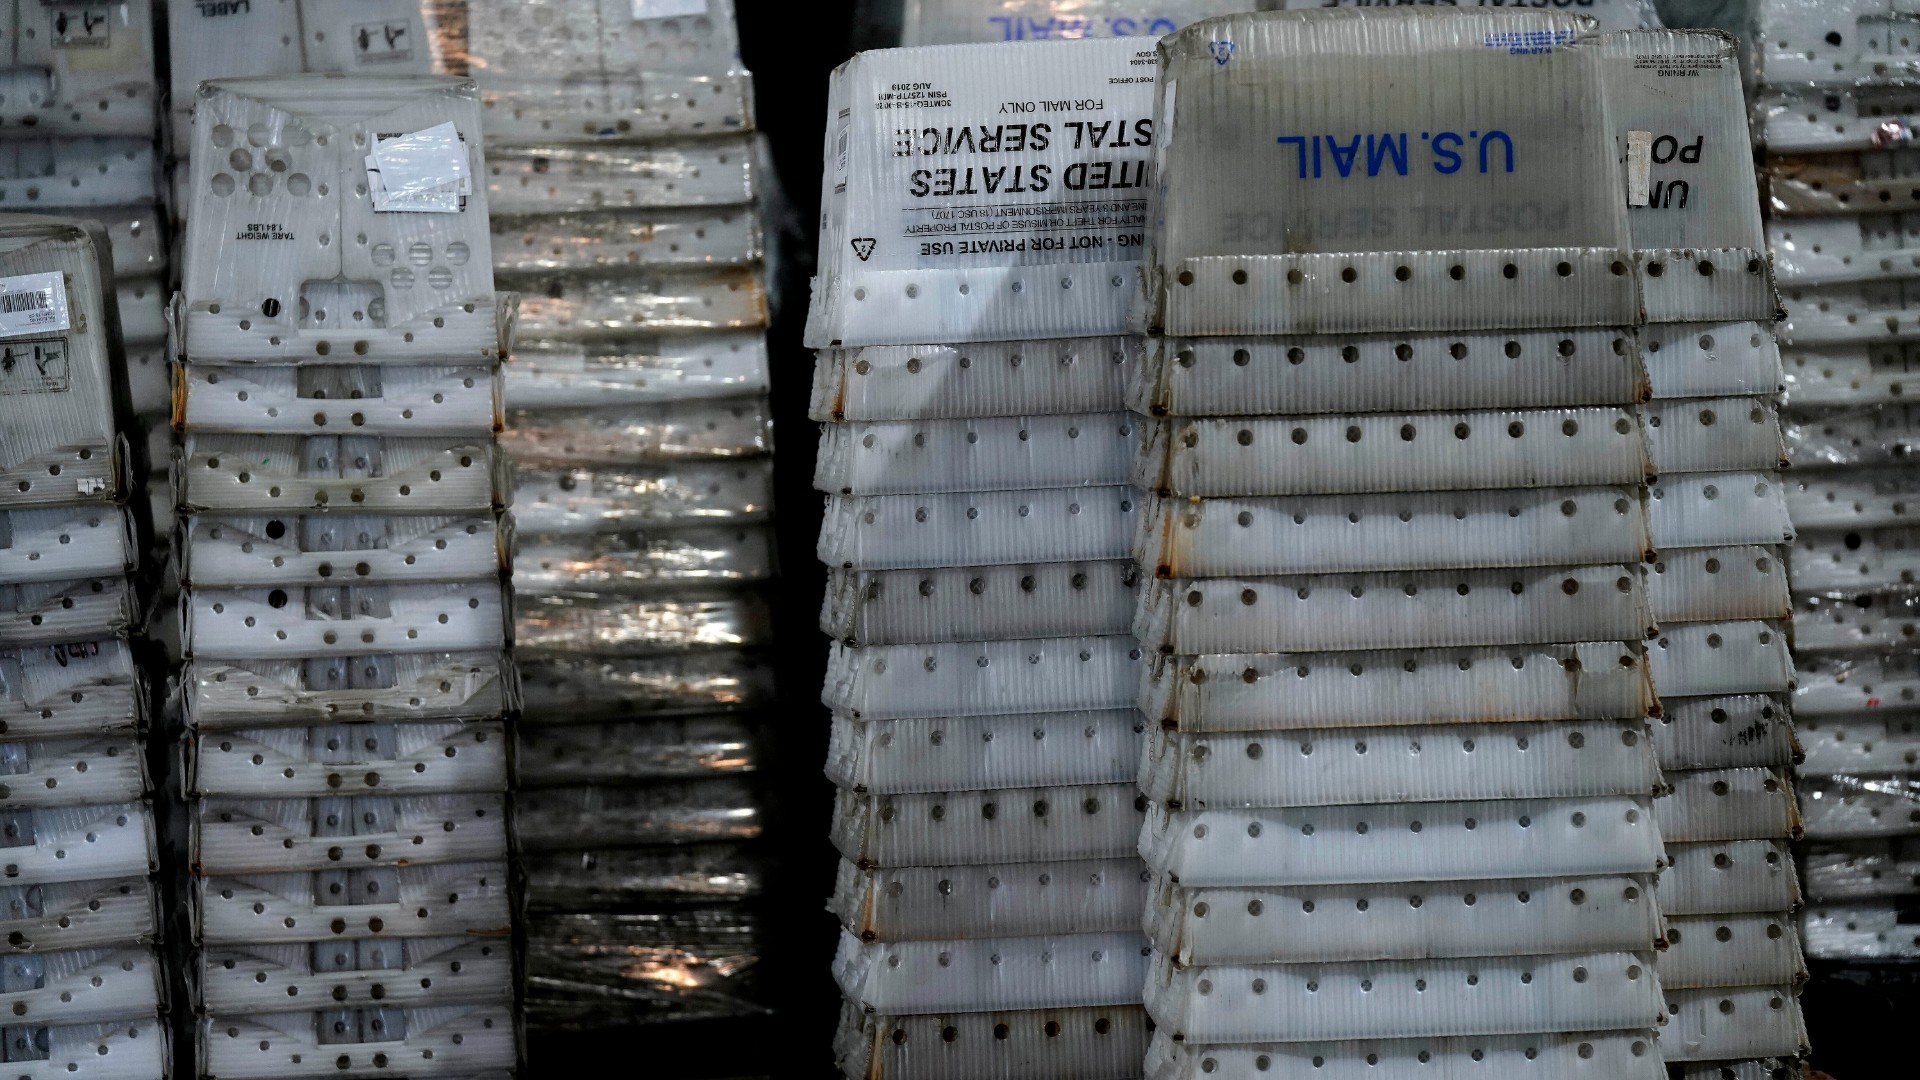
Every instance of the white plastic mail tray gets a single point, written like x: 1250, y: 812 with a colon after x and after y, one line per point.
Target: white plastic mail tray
x: 477, y: 1040
x: 406, y: 973
x: 280, y: 909
x: 324, y: 621
x: 405, y: 400
x: 229, y: 695
x: 928, y: 903
x: 398, y: 759
x: 290, y: 256
x: 623, y: 240
x: 65, y: 542
x: 236, y: 836
x: 338, y: 550
x: 546, y: 373
x: 74, y: 688
x: 988, y: 378
x: 371, y: 474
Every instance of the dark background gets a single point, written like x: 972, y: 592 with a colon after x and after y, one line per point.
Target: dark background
x: 1858, y: 1016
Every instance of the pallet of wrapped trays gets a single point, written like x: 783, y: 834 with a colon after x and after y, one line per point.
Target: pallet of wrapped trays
x: 1835, y: 103
x: 347, y: 684
x: 78, y: 120
x: 80, y: 972
x: 1401, y: 411
x: 974, y: 274
x: 623, y: 188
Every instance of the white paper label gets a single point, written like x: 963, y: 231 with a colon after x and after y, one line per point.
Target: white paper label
x: 33, y: 304
x: 423, y: 172
x: 1639, y: 167
x: 668, y: 9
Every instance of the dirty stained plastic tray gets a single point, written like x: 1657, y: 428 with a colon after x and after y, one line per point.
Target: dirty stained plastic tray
x: 399, y: 974
x: 1731, y: 950
x: 1409, y: 609
x: 1723, y: 1024
x: 1066, y: 599
x: 398, y: 759
x: 1610, y: 990
x: 587, y: 500
x: 374, y: 474
x: 338, y: 550
x: 1362, y: 373
x: 1036, y: 1044
x: 466, y: 899
x: 961, y: 753
x: 982, y: 678
x: 643, y: 370
x: 988, y: 378
x: 986, y: 454
x: 73, y: 688
x: 886, y: 532
x: 325, y: 621
x: 1724, y: 731
x: 49, y: 174
x: 1289, y: 691
x: 1320, y: 534
x: 1332, y: 845
x: 452, y: 1042
x: 1718, y: 876
x: 930, y: 903
x: 1719, y: 510
x: 64, y: 543
x: 1034, y: 824
x: 1454, y: 763
x: 1728, y: 804
x: 1343, y: 923
x: 992, y: 974
x: 1625, y: 1055
x: 1394, y: 452
x: 239, y: 695
x: 402, y: 400
x: 248, y: 836
x: 82, y: 986
x: 1703, y: 659
x: 1718, y: 585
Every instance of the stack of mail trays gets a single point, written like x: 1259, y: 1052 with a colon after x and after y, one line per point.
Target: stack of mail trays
x: 1460, y: 555
x: 984, y: 208
x: 79, y: 976
x: 1837, y: 98
x: 341, y: 550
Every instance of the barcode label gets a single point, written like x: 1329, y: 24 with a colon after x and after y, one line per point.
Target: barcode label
x: 33, y: 304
